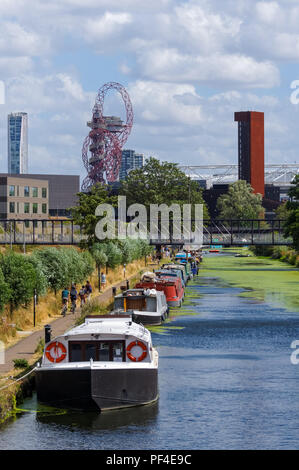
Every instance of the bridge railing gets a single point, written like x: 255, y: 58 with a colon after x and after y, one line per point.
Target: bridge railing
x: 221, y: 232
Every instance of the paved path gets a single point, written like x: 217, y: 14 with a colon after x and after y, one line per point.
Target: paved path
x: 25, y: 348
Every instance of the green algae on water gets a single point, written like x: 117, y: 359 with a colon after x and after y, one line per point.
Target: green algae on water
x: 262, y: 278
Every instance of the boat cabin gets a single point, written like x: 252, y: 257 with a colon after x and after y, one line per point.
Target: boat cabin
x: 170, y: 285
x: 146, y: 305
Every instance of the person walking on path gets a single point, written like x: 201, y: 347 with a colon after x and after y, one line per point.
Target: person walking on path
x: 103, y: 280
x: 82, y: 295
x: 88, y: 290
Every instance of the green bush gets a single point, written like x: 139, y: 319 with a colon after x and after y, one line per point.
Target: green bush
x: 20, y: 363
x: 21, y: 278
x: 40, y: 346
x: 276, y: 252
x: 41, y: 278
x: 55, y: 266
x: 291, y: 258
x: 262, y: 250
x: 5, y: 291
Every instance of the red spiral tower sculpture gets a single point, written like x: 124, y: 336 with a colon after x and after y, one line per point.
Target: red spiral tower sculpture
x: 102, y: 148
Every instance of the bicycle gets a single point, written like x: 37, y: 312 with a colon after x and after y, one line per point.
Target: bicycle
x: 64, y: 309
x: 73, y: 306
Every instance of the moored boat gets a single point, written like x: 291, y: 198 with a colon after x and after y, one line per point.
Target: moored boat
x: 147, y: 306
x: 171, y: 286
x: 106, y: 363
x: 175, y: 268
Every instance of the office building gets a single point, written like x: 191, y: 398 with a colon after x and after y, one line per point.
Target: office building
x: 17, y: 143
x: 251, y: 149
x: 130, y: 161
x: 23, y: 198
x: 62, y: 192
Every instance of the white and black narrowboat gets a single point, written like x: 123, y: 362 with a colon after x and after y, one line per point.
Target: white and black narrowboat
x: 106, y: 363
x: 147, y: 306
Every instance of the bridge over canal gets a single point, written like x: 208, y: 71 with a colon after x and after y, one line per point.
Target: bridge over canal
x: 215, y: 232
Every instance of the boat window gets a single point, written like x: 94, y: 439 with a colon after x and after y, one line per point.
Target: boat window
x: 81, y: 351
x: 135, y: 303
x: 90, y: 351
x: 104, y: 352
x: 75, y: 352
x: 151, y: 303
x: 117, y: 352
x: 119, y: 303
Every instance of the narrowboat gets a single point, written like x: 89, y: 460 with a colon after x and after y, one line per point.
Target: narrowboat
x: 187, y: 266
x: 181, y: 267
x: 171, y: 286
x: 182, y: 256
x: 147, y: 306
x: 106, y: 363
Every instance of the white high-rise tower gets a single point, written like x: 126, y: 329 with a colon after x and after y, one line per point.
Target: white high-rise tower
x: 17, y: 143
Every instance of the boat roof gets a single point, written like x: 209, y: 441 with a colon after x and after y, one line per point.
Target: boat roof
x: 168, y: 273
x: 173, y: 266
x: 110, y: 325
x: 143, y: 292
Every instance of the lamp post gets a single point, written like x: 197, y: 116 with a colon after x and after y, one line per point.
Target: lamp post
x: 34, y: 306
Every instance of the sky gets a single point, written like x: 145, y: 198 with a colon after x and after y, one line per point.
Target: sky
x: 188, y: 65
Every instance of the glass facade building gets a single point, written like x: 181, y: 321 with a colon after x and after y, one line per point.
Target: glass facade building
x: 130, y: 161
x: 17, y: 143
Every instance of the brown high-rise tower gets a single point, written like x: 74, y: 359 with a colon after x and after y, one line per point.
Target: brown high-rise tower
x: 251, y: 149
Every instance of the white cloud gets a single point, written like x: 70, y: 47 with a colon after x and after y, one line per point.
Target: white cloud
x: 12, y: 66
x: 232, y: 70
x: 191, y: 64
x: 15, y: 40
x: 71, y: 87
x: 106, y: 25
x: 161, y: 103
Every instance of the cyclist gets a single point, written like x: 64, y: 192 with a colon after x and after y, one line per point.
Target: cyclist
x: 74, y: 296
x: 65, y: 298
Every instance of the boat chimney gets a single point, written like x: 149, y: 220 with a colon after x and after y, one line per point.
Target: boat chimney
x: 48, y: 331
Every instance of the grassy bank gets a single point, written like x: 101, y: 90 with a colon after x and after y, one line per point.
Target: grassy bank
x: 14, y: 395
x: 263, y: 278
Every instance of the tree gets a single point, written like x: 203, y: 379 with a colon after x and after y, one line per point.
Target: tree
x: 114, y: 255
x: 282, y: 212
x: 5, y: 291
x: 87, y: 263
x: 291, y: 227
x: 240, y: 203
x: 55, y: 266
x: 100, y: 258
x: 161, y: 182
x: 84, y: 213
x: 21, y: 277
x: 41, y: 278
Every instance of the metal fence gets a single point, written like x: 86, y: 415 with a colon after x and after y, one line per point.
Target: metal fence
x: 220, y: 232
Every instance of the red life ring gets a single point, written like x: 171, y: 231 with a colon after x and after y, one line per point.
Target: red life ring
x: 58, y: 347
x: 142, y: 356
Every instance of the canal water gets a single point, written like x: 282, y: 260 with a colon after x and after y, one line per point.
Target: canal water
x: 225, y: 378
